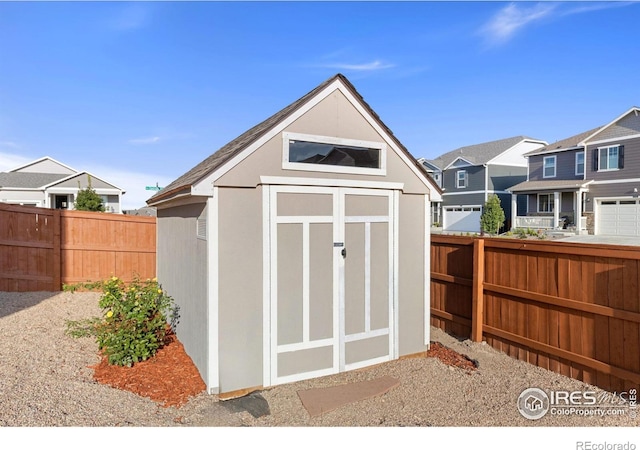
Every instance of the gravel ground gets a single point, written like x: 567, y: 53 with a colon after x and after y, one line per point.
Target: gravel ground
x: 45, y: 382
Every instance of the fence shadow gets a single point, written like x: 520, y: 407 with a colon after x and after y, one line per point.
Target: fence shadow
x: 14, y: 302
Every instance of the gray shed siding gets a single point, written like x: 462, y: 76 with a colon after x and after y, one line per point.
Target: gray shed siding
x: 502, y: 178
x: 475, y: 179
x: 184, y: 276
x: 565, y: 166
x: 412, y: 234
x: 631, y: 167
x: 240, y: 287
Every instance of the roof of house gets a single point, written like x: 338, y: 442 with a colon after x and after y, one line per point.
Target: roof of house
x: 479, y: 153
x: 237, y: 145
x: 564, y: 144
x: 28, y: 180
x: 541, y: 185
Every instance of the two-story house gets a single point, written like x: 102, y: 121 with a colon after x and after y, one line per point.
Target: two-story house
x: 470, y: 174
x: 48, y: 183
x: 587, y: 183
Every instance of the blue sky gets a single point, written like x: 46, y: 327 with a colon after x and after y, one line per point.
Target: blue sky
x: 140, y: 92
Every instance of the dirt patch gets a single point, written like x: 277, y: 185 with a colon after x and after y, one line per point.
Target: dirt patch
x: 169, y: 378
x: 451, y: 357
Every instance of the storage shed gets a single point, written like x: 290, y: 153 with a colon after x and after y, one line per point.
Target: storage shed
x: 300, y: 248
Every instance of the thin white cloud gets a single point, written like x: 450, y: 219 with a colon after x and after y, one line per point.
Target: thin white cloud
x: 595, y: 7
x: 144, y: 141
x: 132, y: 16
x: 9, y: 161
x: 365, y: 67
x: 9, y: 144
x: 513, y: 18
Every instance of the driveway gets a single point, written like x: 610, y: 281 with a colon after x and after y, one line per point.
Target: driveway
x: 602, y: 239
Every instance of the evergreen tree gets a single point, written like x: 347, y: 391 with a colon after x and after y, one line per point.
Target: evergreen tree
x: 492, y: 215
x: 87, y: 199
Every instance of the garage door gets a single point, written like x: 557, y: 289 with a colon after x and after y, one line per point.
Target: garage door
x: 462, y: 218
x: 619, y: 217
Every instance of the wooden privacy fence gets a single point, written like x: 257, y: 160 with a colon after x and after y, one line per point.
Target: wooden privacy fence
x: 570, y: 308
x: 42, y: 249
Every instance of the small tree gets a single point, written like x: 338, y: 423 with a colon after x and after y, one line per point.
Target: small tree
x: 492, y: 217
x: 87, y: 199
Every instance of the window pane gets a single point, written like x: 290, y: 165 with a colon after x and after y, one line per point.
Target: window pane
x: 613, y: 158
x: 603, y: 157
x: 332, y: 154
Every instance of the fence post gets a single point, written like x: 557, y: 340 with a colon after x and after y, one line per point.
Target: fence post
x: 477, y: 306
x: 57, y: 259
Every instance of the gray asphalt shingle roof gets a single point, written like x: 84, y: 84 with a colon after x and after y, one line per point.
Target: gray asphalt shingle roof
x: 570, y: 142
x: 478, y: 153
x: 28, y: 180
x: 542, y: 185
x: 231, y: 149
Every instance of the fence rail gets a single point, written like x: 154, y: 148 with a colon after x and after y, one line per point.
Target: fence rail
x: 567, y: 307
x: 42, y: 249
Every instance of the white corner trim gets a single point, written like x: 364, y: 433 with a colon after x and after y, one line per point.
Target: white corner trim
x: 330, y: 182
x: 213, y: 368
x: 266, y: 286
x: 396, y: 273
x: 427, y: 271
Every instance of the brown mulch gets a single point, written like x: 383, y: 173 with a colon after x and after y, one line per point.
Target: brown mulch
x: 169, y: 378
x: 451, y: 357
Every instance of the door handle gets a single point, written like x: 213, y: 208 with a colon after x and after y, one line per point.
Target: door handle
x: 344, y: 252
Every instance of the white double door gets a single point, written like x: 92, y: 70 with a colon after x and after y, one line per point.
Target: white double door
x: 330, y: 281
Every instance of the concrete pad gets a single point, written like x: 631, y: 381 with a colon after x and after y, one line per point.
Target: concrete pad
x: 602, y: 239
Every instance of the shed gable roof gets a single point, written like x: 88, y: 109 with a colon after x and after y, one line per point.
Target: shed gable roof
x: 226, y: 153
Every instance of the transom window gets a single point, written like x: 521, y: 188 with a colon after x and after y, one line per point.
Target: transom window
x: 461, y: 179
x: 580, y: 163
x: 549, y: 167
x: 610, y: 158
x: 329, y: 154
x: 545, y: 202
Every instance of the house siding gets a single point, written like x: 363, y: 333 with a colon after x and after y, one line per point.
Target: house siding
x: 626, y: 126
x: 565, y: 166
x: 614, y: 190
x: 463, y: 199
x: 475, y: 179
x: 182, y: 270
x: 631, y: 167
x: 502, y: 178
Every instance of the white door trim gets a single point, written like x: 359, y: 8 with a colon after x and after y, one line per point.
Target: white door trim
x: 270, y: 282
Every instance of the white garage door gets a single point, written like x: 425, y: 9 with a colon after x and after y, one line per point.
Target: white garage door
x: 619, y: 217
x: 462, y: 218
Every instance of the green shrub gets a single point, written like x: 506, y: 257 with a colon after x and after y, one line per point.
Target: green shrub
x: 134, y: 322
x: 492, y: 217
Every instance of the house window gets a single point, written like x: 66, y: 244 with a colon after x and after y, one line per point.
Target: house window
x: 461, y: 179
x: 580, y: 163
x: 329, y: 154
x: 549, y: 167
x: 545, y: 203
x: 610, y: 158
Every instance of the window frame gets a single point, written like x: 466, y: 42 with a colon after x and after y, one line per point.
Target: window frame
x: 583, y: 163
x: 544, y: 166
x: 288, y: 165
x: 608, y: 148
x: 465, y: 179
x: 551, y: 201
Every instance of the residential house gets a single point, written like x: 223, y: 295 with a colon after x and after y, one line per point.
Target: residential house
x: 300, y: 248
x: 587, y: 183
x: 470, y: 174
x: 436, y: 173
x: 48, y: 183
